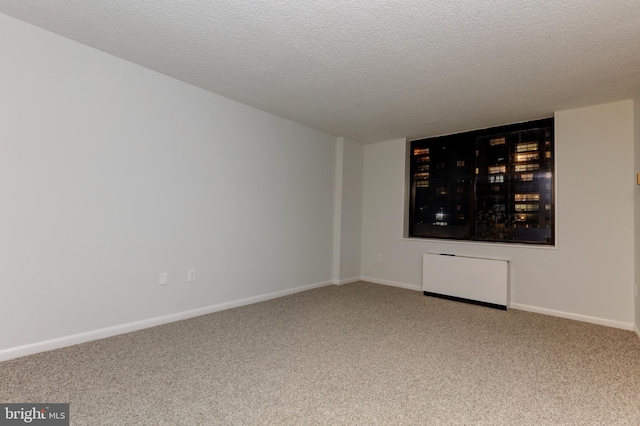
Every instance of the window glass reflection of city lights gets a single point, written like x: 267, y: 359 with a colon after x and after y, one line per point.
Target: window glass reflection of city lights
x: 496, y: 179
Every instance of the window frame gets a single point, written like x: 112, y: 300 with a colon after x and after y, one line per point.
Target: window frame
x: 541, y: 230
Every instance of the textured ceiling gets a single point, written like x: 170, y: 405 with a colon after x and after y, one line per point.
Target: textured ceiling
x: 372, y: 70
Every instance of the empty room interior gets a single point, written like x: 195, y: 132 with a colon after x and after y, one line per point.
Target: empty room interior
x: 227, y: 212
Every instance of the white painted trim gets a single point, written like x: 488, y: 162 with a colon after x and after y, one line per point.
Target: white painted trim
x: 102, y: 333
x: 577, y: 317
x: 480, y: 243
x: 347, y: 280
x: 635, y: 329
x: 393, y: 283
x: 337, y: 207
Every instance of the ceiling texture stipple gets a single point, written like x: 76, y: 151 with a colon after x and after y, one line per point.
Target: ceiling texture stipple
x: 372, y: 70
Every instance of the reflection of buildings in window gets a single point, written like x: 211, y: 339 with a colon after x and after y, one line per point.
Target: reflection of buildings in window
x: 547, y: 154
x: 441, y: 190
x: 496, y: 179
x: 420, y: 151
x: 499, y: 208
x: 460, y: 190
x: 460, y: 163
x: 529, y: 156
x: 424, y: 175
x: 526, y: 197
x: 441, y: 166
x: 422, y: 184
x: 497, y: 169
x: 527, y: 146
x: 460, y: 216
x: 497, y: 141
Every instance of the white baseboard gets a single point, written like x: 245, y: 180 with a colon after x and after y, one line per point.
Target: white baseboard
x: 577, y: 317
x: 392, y: 283
x: 635, y: 329
x: 102, y: 333
x: 346, y: 281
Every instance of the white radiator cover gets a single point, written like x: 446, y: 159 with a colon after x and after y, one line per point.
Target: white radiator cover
x: 470, y: 279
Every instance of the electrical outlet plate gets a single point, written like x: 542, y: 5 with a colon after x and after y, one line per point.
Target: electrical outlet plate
x: 191, y: 275
x: 164, y: 278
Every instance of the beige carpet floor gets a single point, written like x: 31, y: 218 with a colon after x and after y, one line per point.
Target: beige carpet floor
x: 359, y: 354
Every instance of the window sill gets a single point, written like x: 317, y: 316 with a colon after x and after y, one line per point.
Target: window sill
x: 480, y: 243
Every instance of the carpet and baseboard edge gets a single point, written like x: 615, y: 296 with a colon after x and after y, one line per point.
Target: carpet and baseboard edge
x: 61, y: 342
x: 528, y: 308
